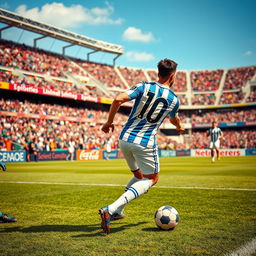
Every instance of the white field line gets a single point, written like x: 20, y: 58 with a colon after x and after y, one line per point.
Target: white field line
x: 245, y: 250
x: 118, y: 185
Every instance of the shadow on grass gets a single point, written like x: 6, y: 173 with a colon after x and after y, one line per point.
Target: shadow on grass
x: 155, y: 229
x: 70, y: 228
x: 113, y: 229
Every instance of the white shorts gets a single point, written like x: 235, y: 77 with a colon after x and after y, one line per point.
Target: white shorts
x: 215, y: 144
x: 139, y: 157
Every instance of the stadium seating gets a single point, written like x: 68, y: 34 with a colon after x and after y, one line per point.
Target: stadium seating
x: 203, y: 99
x: 231, y: 139
x: 104, y: 73
x: 229, y: 116
x: 238, y: 77
x: 231, y: 97
x: 206, y: 80
x: 132, y: 76
x: 29, y: 59
x: 252, y: 96
x: 52, y: 71
x: 27, y: 66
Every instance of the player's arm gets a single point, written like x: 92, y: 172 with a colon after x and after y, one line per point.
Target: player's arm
x: 118, y: 101
x: 176, y: 122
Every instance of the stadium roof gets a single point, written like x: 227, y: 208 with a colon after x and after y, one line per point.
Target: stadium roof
x: 13, y: 19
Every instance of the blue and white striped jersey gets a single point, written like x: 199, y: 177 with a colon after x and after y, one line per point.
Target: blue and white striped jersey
x: 215, y: 133
x: 153, y: 103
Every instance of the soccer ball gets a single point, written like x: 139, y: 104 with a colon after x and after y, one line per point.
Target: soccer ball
x: 166, y: 217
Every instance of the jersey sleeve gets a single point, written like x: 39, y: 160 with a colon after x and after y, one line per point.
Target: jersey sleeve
x: 174, y: 112
x: 135, y: 91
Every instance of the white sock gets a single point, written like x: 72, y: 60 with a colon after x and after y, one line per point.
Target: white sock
x: 138, y: 188
x: 120, y: 209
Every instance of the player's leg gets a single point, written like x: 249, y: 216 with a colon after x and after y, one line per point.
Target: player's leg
x: 217, y: 148
x: 118, y: 206
x: 212, y: 151
x: 147, y: 159
x: 131, y: 162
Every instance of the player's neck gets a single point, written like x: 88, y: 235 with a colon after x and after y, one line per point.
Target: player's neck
x: 164, y: 82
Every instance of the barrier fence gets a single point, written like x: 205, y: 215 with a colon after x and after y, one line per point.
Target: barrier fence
x: 89, y: 155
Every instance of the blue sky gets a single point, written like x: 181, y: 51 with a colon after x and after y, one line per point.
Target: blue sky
x: 198, y: 34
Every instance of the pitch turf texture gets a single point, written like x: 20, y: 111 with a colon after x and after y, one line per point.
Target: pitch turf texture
x: 57, y: 208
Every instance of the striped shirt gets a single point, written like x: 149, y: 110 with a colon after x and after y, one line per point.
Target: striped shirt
x: 215, y: 134
x: 153, y: 103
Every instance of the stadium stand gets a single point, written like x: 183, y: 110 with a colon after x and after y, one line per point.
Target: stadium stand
x: 203, y: 99
x: 231, y: 139
x: 238, y: 77
x: 206, y: 80
x: 104, y: 73
x: 252, y: 97
x: 22, y: 119
x: 132, y: 76
x: 231, y: 97
x: 229, y: 116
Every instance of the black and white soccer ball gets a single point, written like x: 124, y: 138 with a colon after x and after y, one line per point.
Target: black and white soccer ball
x: 167, y: 217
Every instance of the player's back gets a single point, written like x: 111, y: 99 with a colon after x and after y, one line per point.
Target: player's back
x: 215, y: 133
x: 153, y: 102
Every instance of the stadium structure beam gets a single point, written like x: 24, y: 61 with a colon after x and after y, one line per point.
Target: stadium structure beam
x: 9, y: 26
x: 38, y: 38
x: 64, y: 48
x: 114, y: 60
x: 14, y: 19
x: 89, y: 53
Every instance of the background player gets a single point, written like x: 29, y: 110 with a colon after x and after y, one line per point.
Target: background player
x: 215, y: 134
x: 153, y: 103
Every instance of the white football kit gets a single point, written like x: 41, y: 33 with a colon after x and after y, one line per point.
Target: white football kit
x: 215, y: 137
x: 153, y: 103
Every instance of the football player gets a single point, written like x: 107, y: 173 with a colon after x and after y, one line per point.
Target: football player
x: 154, y: 101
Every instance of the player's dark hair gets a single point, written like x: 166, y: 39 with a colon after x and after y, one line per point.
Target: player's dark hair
x: 166, y: 67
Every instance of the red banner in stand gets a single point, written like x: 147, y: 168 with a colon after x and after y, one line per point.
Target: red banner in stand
x: 50, y: 92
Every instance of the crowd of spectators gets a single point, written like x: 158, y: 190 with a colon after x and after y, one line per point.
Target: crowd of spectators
x: 132, y: 76
x: 238, y: 77
x: 53, y: 134
x: 49, y: 133
x: 104, y: 73
x: 39, y: 81
x: 34, y: 60
x: 231, y: 139
x: 93, y: 116
x: 206, y: 80
x: 231, y: 97
x: 252, y: 96
x: 183, y: 99
x: 229, y: 116
x: 203, y: 99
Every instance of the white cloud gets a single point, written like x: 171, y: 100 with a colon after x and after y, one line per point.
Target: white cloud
x: 136, y: 34
x: 248, y: 53
x: 69, y: 16
x: 139, y: 56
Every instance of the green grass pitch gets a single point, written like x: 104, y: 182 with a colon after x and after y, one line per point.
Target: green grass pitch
x: 57, y: 204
